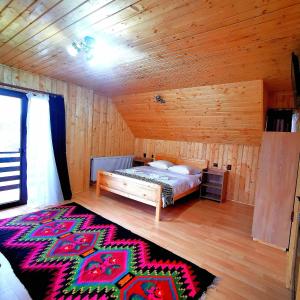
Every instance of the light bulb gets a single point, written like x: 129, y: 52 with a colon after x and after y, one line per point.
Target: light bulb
x: 71, y: 50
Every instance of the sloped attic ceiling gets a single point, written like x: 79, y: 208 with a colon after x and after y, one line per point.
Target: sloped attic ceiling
x: 227, y: 113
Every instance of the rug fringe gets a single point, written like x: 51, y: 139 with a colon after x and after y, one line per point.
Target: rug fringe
x: 212, y: 286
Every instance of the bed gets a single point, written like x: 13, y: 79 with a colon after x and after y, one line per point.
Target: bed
x: 143, y: 191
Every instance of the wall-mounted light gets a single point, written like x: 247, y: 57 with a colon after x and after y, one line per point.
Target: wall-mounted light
x: 159, y: 99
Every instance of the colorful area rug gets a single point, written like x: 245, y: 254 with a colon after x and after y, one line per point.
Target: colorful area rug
x: 70, y: 253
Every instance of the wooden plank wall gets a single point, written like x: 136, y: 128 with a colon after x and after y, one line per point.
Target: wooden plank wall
x: 111, y: 135
x: 243, y: 160
x: 221, y: 123
x: 84, y: 128
x: 284, y: 99
x: 224, y: 113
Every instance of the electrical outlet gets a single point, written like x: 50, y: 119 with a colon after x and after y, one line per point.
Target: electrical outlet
x: 215, y: 165
x: 228, y: 167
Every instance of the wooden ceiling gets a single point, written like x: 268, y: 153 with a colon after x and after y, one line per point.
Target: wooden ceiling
x: 174, y: 43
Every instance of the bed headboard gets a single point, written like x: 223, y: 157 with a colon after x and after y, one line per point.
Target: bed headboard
x: 197, y: 163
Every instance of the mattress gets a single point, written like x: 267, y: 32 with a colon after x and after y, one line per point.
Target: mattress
x: 178, y: 183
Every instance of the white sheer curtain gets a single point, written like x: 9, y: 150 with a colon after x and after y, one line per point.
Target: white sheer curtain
x: 43, y: 185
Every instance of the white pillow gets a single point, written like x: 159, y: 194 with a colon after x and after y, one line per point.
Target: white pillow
x: 161, y: 164
x: 186, y: 170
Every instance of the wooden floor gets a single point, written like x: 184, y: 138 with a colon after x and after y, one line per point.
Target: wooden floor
x: 213, y: 236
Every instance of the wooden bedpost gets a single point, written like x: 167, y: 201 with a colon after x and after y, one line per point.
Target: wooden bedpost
x: 98, y: 183
x: 158, y: 204
x: 157, y: 212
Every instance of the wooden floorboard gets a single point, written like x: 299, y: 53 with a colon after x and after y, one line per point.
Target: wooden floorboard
x: 214, y: 236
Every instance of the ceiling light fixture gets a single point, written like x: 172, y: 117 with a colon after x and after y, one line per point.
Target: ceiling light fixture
x: 101, y: 52
x: 85, y: 47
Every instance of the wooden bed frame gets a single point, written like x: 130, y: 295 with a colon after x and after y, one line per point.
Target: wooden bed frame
x: 142, y: 191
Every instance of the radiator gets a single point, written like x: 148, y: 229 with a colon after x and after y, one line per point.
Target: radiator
x: 109, y: 163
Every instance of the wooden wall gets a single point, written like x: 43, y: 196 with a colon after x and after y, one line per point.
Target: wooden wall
x: 85, y: 128
x: 221, y: 123
x: 242, y: 158
x: 111, y: 135
x: 225, y: 113
x: 284, y: 99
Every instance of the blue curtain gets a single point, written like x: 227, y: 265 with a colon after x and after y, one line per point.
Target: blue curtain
x: 58, y: 132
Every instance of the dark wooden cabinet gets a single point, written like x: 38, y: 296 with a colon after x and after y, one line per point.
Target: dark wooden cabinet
x: 214, y: 184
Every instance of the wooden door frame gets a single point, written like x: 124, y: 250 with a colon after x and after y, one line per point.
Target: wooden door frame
x: 23, y: 136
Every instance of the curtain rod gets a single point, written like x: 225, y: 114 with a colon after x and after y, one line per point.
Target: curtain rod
x: 23, y: 89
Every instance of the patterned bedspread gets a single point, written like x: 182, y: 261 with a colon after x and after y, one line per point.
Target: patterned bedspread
x: 171, y: 183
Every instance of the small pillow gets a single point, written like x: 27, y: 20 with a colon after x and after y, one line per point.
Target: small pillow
x: 185, y: 170
x: 161, y: 164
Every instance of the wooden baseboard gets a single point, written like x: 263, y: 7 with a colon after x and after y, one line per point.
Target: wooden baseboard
x: 248, y: 204
x: 269, y: 244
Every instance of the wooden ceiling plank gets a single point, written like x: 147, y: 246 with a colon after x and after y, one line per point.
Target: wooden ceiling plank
x: 50, y: 49
x: 197, y: 23
x: 203, y: 122
x: 95, y: 28
x: 166, y: 51
x: 182, y: 46
x: 173, y: 1
x: 219, y: 112
x: 57, y: 12
x: 151, y: 9
x: 50, y: 54
x: 216, y: 65
x: 12, y: 11
x: 221, y: 108
x: 113, y: 19
x: 28, y: 17
x: 62, y: 16
x: 196, y: 49
x: 55, y: 58
x: 213, y: 42
x: 281, y: 56
x: 147, y: 71
x: 4, y: 4
x: 105, y: 11
x: 115, y: 71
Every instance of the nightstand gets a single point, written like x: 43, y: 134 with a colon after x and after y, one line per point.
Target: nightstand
x: 214, y: 184
x: 141, y: 161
